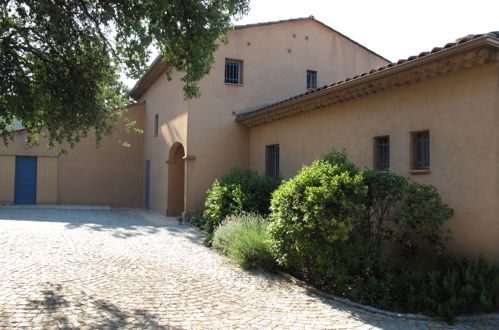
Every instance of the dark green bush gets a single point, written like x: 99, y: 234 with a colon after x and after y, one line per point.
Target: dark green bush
x: 462, y: 286
x: 237, y: 192
x: 403, y: 211
x: 245, y: 239
x: 197, y: 220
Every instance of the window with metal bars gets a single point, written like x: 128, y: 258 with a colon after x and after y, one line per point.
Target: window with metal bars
x: 233, y: 72
x: 272, y: 160
x: 421, y: 150
x: 382, y: 153
x: 156, y: 125
x: 311, y: 79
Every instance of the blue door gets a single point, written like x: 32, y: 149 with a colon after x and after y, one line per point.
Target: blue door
x: 148, y: 184
x: 25, y: 188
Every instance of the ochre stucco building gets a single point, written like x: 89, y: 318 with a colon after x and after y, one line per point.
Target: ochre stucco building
x: 433, y: 117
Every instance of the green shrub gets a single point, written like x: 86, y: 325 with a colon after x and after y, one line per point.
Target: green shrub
x: 236, y: 192
x: 462, y: 286
x: 403, y: 211
x: 360, y: 272
x: 244, y: 238
x: 197, y: 220
x: 313, y: 215
x: 332, y: 222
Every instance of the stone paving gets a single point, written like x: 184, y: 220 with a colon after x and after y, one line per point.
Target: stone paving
x: 136, y: 269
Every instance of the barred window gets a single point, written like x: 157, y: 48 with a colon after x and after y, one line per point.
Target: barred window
x: 311, y: 79
x: 421, y: 150
x: 382, y: 153
x: 272, y: 160
x: 233, y: 72
x: 156, y: 125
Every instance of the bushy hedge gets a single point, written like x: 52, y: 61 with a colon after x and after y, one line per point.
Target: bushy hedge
x: 331, y: 202
x: 245, y: 239
x: 354, y: 233
x: 399, y: 210
x: 237, y: 192
x: 376, y: 238
x: 314, y: 213
x: 461, y: 286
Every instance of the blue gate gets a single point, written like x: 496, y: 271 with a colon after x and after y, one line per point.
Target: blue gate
x: 148, y: 183
x: 25, y: 182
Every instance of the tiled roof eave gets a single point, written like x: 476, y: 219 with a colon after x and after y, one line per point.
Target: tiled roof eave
x: 156, y: 69
x: 408, y: 72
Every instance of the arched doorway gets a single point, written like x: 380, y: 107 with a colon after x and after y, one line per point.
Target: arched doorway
x: 176, y: 174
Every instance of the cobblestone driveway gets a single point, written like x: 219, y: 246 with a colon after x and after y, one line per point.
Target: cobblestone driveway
x: 136, y: 269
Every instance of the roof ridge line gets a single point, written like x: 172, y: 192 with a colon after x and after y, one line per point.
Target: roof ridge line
x: 312, y: 18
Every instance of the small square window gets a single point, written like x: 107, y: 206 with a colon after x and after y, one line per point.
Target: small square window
x: 233, y: 72
x: 272, y: 160
x: 311, y: 79
x: 382, y: 153
x: 156, y: 125
x: 421, y: 150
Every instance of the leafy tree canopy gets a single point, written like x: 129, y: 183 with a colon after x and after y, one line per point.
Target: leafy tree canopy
x: 60, y: 60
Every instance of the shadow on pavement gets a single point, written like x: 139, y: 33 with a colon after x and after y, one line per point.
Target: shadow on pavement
x: 56, y: 308
x: 120, y: 223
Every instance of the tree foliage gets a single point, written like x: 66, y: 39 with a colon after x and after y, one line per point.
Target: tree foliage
x: 60, y: 60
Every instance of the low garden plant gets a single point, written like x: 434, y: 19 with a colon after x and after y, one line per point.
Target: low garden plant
x: 460, y: 286
x: 196, y: 219
x: 245, y: 239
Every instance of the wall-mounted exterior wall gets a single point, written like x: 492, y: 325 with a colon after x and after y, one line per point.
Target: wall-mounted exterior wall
x: 110, y: 175
x: 461, y: 112
x: 46, y: 180
x: 7, y: 177
x: 166, y: 99
x: 275, y: 59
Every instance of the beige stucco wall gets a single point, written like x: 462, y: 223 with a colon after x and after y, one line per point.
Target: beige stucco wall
x: 461, y: 111
x: 46, y: 180
x: 7, y: 178
x: 275, y: 61
x: 276, y: 58
x: 166, y: 99
x: 111, y: 175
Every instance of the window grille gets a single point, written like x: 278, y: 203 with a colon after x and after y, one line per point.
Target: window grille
x: 382, y: 153
x: 272, y: 160
x: 233, y: 72
x: 421, y: 150
x: 311, y: 79
x: 156, y: 124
